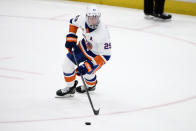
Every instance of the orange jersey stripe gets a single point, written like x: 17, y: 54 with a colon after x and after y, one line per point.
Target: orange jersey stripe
x: 69, y: 50
x: 71, y: 78
x: 73, y: 28
x: 99, y: 60
x: 88, y: 66
x: 91, y: 83
x: 71, y: 39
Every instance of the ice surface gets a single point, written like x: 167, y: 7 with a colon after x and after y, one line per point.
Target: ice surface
x: 148, y: 85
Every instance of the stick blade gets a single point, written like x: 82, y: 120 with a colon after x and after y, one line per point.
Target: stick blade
x: 96, y: 112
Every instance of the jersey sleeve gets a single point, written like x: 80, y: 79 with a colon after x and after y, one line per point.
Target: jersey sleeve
x: 76, y: 21
x: 74, y: 24
x: 105, y: 47
x: 104, y: 53
x: 103, y: 56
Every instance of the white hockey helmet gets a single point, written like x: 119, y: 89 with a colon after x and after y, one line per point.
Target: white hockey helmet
x: 93, y: 17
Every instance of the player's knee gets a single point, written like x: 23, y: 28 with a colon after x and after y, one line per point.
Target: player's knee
x: 68, y: 66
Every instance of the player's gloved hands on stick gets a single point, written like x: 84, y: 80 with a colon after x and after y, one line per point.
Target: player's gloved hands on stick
x: 85, y: 68
x: 71, y: 41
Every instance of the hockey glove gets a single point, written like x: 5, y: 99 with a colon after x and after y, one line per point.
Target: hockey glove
x: 85, y: 68
x: 71, y: 41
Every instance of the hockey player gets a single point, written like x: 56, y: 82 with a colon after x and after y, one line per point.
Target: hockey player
x: 92, y: 52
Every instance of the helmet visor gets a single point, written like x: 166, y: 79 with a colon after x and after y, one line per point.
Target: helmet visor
x: 93, y: 21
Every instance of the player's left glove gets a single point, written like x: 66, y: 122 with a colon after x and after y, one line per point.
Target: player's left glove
x: 85, y: 68
x: 71, y: 41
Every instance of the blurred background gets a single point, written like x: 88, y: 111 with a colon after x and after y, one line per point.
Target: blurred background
x: 173, y: 6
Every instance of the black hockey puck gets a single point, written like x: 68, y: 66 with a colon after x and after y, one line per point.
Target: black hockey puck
x: 87, y: 123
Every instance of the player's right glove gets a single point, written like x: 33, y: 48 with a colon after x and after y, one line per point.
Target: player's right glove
x: 71, y: 40
x: 85, y: 68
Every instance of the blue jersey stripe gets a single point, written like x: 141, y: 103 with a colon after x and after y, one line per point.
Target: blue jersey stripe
x: 107, y: 57
x: 69, y: 74
x: 71, y: 20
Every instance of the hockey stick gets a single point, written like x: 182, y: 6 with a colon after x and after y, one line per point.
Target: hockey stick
x: 96, y: 112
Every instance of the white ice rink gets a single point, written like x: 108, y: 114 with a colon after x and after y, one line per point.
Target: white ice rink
x: 148, y: 85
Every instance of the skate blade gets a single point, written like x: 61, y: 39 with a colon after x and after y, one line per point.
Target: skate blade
x: 161, y: 20
x: 65, y: 96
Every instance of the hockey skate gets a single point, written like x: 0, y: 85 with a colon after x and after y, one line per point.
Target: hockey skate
x: 67, y: 91
x: 162, y: 16
x: 148, y: 16
x: 81, y: 89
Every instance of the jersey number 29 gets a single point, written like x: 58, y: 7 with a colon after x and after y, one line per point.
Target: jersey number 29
x: 107, y: 46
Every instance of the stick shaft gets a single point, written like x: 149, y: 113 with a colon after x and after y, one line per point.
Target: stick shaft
x: 96, y: 112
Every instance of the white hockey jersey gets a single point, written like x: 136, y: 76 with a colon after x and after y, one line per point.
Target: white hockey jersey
x: 95, y: 42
